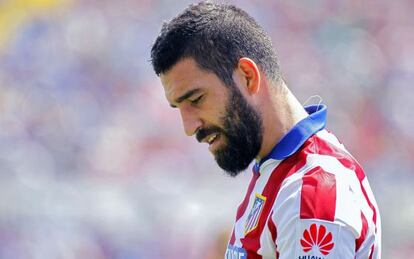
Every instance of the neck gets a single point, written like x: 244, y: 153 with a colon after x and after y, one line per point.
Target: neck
x: 281, y: 111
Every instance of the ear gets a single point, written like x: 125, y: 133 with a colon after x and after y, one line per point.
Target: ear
x: 250, y: 73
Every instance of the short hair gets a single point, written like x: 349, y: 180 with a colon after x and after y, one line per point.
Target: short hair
x: 216, y: 36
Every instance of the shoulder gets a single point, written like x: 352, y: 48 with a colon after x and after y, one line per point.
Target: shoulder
x: 323, y: 188
x: 314, y: 208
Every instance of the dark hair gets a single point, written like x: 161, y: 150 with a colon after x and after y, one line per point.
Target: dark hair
x: 216, y: 36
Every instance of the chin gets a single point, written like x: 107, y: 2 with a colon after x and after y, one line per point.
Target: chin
x: 230, y: 166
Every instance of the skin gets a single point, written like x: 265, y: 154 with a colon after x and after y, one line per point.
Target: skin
x: 201, y: 96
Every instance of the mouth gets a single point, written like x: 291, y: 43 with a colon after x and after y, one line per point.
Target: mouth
x: 214, y: 141
x: 212, y: 138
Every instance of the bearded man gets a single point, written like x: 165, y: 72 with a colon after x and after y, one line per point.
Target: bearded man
x: 308, y: 197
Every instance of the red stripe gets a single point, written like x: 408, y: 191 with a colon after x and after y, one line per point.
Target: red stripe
x: 361, y: 239
x: 350, y: 163
x: 233, y: 238
x: 253, y: 255
x: 251, y: 242
x: 372, y: 252
x: 272, y: 227
x: 242, y: 207
x: 273, y: 231
x: 318, y: 195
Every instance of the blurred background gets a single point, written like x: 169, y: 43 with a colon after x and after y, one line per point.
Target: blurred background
x: 94, y: 163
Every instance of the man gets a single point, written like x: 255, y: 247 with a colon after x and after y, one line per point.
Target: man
x: 308, y: 197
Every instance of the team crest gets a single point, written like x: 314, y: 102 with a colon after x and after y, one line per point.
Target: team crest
x: 254, y: 215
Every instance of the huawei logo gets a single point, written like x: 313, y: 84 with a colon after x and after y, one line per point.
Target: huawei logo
x: 318, y: 237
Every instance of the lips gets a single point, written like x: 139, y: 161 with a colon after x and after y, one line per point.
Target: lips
x: 214, y: 142
x: 211, y: 138
x: 207, y: 135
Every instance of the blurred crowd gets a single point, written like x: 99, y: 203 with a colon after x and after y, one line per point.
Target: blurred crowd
x: 94, y: 162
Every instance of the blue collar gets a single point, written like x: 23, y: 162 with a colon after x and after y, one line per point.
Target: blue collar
x: 294, y: 139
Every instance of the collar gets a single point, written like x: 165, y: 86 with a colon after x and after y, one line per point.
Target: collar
x: 294, y: 139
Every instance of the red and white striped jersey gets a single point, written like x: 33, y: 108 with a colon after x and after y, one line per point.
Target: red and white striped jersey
x: 308, y: 199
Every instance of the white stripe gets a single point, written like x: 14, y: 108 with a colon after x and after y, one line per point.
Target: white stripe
x: 373, y: 238
x: 267, y: 246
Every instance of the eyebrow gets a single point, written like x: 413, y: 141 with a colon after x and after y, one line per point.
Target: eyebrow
x: 187, y: 95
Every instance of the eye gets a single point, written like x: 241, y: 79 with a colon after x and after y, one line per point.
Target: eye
x: 197, y: 100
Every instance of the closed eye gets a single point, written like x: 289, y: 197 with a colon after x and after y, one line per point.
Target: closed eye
x: 197, y: 100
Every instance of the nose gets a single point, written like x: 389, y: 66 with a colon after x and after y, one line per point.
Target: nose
x: 191, y: 121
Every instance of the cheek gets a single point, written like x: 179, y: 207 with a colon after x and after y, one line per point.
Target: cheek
x: 221, y: 118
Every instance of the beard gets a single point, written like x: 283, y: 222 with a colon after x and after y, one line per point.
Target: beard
x: 243, y: 130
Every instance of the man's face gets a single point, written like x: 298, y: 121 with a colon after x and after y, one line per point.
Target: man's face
x: 215, y: 113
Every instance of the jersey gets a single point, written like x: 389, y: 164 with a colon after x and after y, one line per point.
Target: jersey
x: 308, y: 199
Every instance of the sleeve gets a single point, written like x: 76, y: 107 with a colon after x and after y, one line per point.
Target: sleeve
x: 306, y: 217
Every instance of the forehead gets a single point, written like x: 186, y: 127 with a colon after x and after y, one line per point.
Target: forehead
x: 185, y: 76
